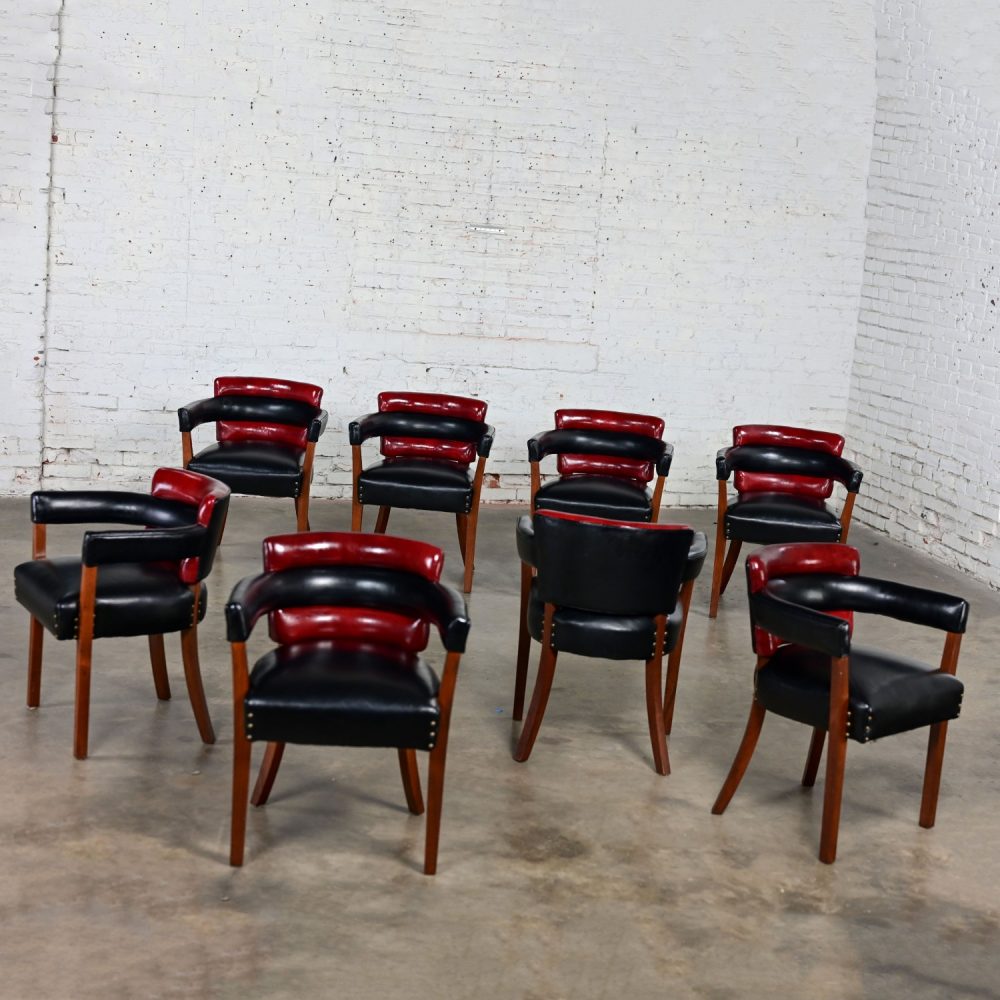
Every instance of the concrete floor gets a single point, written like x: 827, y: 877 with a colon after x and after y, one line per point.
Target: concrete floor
x: 579, y: 874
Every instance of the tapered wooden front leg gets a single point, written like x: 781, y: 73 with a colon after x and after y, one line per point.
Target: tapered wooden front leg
x: 523, y: 643
x: 158, y: 661
x: 302, y: 500
x: 654, y: 704
x: 36, y: 637
x: 410, y: 774
x: 932, y: 774
x: 836, y: 759
x: 469, y: 550
x: 241, y: 757
x: 540, y: 697
x: 815, y: 755
x: 720, y: 551
x: 273, y: 753
x: 382, y: 521
x: 727, y: 570
x: 438, y: 754
x: 742, y: 760
x: 674, y: 661
x: 357, y: 510
x: 84, y: 652
x: 192, y: 674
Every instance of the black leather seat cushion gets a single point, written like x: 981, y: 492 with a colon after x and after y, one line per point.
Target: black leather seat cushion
x: 596, y: 496
x: 607, y: 637
x: 889, y: 694
x: 417, y: 484
x: 132, y: 599
x: 765, y: 518
x: 263, y: 470
x: 343, y: 693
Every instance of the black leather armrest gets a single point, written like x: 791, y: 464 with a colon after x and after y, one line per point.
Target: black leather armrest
x: 868, y: 595
x: 108, y: 507
x: 696, y: 557
x: 666, y: 457
x: 525, y: 534
x: 201, y: 411
x: 347, y: 586
x: 851, y: 476
x: 317, y: 426
x: 722, y: 469
x: 582, y: 441
x: 788, y: 461
x: 255, y: 409
x: 363, y: 428
x: 154, y: 545
x: 797, y: 623
x: 402, y: 424
x: 486, y: 441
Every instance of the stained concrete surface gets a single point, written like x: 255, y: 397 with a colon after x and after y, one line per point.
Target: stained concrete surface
x: 579, y: 874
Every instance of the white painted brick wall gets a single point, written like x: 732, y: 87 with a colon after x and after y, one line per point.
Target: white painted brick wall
x: 294, y: 189
x: 925, y: 390
x: 27, y: 57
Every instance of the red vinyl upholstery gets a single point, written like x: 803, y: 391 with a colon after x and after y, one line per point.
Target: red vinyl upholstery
x: 617, y: 422
x: 265, y: 388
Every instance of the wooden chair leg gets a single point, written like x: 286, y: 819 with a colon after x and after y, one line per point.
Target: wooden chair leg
x: 815, y: 755
x: 435, y: 796
x: 523, y: 644
x: 674, y: 661
x: 196, y: 691
x: 273, y: 753
x: 539, y: 700
x: 36, y: 636
x: 720, y: 555
x: 81, y: 716
x: 654, y: 712
x: 357, y: 513
x: 469, y: 549
x: 742, y: 759
x: 382, y: 521
x: 462, y: 524
x: 727, y: 570
x: 241, y: 786
x: 932, y: 774
x: 302, y: 512
x: 836, y: 759
x: 411, y: 781
x: 158, y: 661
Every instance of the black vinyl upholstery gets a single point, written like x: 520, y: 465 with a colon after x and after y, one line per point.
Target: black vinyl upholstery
x: 339, y: 693
x: 608, y: 637
x: 767, y: 518
x: 596, y: 496
x: 254, y: 409
x: 888, y: 694
x: 417, y: 484
x: 132, y: 599
x: 260, y: 469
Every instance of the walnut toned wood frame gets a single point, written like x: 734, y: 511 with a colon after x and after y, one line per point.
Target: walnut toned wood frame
x: 466, y: 524
x: 543, y: 686
x: 836, y: 737
x: 242, y: 747
x: 84, y: 657
x: 725, y: 562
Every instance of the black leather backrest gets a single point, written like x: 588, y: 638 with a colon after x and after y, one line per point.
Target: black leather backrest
x: 610, y: 567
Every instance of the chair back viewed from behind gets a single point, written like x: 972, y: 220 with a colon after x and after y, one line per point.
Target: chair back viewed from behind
x: 351, y: 614
x: 609, y: 567
x: 616, y: 590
